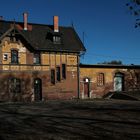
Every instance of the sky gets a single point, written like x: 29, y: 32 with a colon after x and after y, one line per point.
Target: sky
x: 106, y: 27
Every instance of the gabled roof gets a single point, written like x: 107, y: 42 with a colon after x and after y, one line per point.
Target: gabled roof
x: 40, y: 37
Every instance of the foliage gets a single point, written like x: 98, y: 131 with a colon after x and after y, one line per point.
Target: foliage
x: 134, y: 8
x: 116, y: 62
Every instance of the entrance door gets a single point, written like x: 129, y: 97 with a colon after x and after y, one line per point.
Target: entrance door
x: 86, y: 88
x: 118, y: 82
x: 37, y: 89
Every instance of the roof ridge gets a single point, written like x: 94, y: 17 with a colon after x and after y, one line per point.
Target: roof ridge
x: 31, y: 23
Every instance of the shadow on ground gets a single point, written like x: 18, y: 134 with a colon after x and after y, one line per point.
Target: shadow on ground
x: 66, y: 120
x: 131, y: 95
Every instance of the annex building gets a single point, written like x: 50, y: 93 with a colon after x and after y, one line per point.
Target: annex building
x: 98, y: 80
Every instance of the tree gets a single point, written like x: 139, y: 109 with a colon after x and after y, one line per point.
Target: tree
x: 115, y: 62
x: 134, y: 8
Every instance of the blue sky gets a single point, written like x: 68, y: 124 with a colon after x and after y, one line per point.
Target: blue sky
x: 109, y: 32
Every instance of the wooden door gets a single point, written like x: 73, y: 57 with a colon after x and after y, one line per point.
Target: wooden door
x: 37, y: 89
x: 86, y: 90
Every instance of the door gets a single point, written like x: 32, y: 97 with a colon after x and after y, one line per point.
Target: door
x: 118, y: 82
x: 37, y: 89
x: 86, y: 88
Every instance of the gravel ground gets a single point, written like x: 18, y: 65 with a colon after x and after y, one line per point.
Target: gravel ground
x: 71, y: 120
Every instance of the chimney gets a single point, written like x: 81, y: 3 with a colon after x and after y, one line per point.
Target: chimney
x: 55, y: 23
x: 25, y: 19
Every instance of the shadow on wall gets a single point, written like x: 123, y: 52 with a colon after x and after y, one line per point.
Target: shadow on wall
x: 10, y: 90
x: 132, y: 81
x: 4, y: 90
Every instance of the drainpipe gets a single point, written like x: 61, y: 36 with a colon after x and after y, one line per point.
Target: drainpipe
x: 78, y: 71
x: 78, y: 74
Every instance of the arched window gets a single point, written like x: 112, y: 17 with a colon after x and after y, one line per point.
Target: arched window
x: 86, y: 80
x: 15, y: 85
x: 14, y: 56
x: 100, y: 79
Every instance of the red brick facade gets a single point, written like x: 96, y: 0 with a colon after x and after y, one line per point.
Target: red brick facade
x: 65, y: 89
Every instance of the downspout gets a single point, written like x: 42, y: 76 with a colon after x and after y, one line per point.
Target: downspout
x: 78, y: 74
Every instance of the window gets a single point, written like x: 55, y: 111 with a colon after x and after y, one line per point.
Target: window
x: 56, y: 39
x: 15, y: 85
x: 137, y: 78
x: 64, y: 71
x: 53, y: 77
x: 58, y: 74
x: 37, y: 58
x: 14, y: 56
x: 5, y: 56
x: 100, y: 79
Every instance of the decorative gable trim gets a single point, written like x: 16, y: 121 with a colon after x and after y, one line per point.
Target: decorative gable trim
x: 31, y: 48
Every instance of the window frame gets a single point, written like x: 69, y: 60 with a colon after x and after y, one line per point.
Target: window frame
x: 14, y: 56
x: 100, y: 79
x: 58, y: 74
x: 52, y: 76
x: 37, y: 58
x: 15, y: 85
x: 57, y: 39
x: 5, y: 56
x: 138, y: 78
x: 63, y: 71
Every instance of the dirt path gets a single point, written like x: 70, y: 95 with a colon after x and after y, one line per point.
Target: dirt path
x: 66, y: 120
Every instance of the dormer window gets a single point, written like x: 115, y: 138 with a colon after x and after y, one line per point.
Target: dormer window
x: 37, y: 59
x: 56, y: 39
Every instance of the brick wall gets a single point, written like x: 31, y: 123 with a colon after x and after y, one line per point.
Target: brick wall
x: 26, y: 71
x: 98, y: 91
